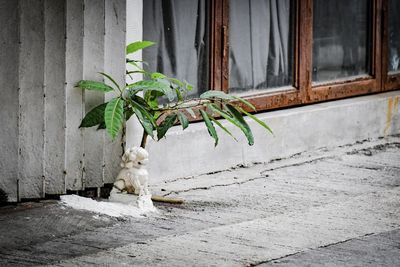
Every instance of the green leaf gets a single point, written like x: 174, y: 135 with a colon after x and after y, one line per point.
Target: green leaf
x: 133, y: 92
x: 244, y: 126
x: 183, y: 120
x: 144, y: 121
x: 150, y: 85
x: 189, y: 87
x: 176, y: 81
x: 247, y: 103
x: 93, y: 85
x: 134, y: 63
x: 217, y: 94
x: 157, y: 75
x: 222, y: 95
x: 110, y: 78
x: 114, y: 116
x: 225, y: 115
x: 191, y: 112
x: 136, y: 46
x: 178, y: 94
x: 94, y: 116
x: 210, y: 126
x: 101, y: 126
x: 234, y: 121
x: 128, y: 113
x: 223, y: 128
x: 137, y: 71
x: 147, y: 84
x: 151, y: 98
x: 139, y: 103
x: 257, y: 120
x: 137, y: 61
x: 167, y: 123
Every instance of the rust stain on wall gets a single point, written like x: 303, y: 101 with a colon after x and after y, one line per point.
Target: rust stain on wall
x: 396, y: 105
x: 389, y: 116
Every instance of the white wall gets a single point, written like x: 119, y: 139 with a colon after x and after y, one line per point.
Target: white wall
x: 47, y: 47
x: 183, y: 154
x: 134, y: 32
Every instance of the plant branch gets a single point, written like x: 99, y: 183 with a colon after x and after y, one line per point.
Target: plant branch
x: 144, y: 140
x: 195, y: 102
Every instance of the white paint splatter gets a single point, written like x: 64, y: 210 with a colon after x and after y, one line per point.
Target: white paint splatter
x: 108, y: 208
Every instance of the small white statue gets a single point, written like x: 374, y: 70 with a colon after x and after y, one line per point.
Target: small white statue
x: 133, y: 178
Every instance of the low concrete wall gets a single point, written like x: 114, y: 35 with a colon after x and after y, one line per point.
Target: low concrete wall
x: 328, y: 124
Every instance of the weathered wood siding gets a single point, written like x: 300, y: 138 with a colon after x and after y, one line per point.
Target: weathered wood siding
x: 93, y: 63
x: 47, y: 46
x: 9, y: 106
x: 114, y: 63
x: 74, y: 98
x: 54, y: 96
x: 31, y: 98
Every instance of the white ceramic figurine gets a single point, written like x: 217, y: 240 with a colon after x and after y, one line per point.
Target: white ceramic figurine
x: 133, y: 178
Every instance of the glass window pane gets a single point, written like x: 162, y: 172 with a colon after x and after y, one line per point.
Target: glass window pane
x: 341, y: 39
x: 394, y: 35
x: 260, y: 44
x: 180, y: 30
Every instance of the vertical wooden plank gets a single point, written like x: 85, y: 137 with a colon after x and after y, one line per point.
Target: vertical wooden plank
x: 114, y: 64
x: 93, y: 62
x: 225, y: 47
x: 305, y: 49
x: 385, y: 44
x: 9, y: 97
x: 378, y: 52
x: 54, y: 92
x: 73, y: 96
x: 217, y: 44
x: 31, y: 122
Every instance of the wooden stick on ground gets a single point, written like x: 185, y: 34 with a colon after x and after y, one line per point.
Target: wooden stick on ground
x: 167, y: 199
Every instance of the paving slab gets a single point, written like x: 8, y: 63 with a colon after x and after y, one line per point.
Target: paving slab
x: 306, y: 210
x: 381, y: 249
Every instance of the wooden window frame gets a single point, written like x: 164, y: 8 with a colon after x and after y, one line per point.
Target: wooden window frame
x: 303, y: 90
x: 389, y: 81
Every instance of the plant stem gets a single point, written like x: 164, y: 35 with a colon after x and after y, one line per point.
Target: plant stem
x: 144, y: 140
x: 185, y: 104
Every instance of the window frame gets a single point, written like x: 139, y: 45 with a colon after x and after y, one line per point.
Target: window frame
x: 303, y: 90
x: 389, y: 81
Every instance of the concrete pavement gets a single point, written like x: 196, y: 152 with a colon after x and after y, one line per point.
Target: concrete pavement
x: 332, y: 207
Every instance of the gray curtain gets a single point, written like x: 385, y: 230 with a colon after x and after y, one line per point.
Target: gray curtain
x: 180, y: 29
x: 394, y: 35
x: 341, y: 44
x: 259, y: 43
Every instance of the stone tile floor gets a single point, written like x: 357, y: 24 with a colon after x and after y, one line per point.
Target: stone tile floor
x: 331, y: 207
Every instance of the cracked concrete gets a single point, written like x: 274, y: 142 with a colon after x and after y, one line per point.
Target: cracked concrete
x: 331, y: 207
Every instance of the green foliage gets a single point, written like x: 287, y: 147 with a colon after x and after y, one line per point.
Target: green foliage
x: 141, y: 99
x: 167, y: 123
x: 93, y: 85
x: 94, y: 117
x: 136, y: 46
x: 113, y: 116
x: 216, y: 94
x: 183, y: 120
x: 210, y: 126
x: 242, y: 123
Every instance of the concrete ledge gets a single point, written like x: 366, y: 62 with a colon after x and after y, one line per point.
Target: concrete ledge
x: 329, y: 124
